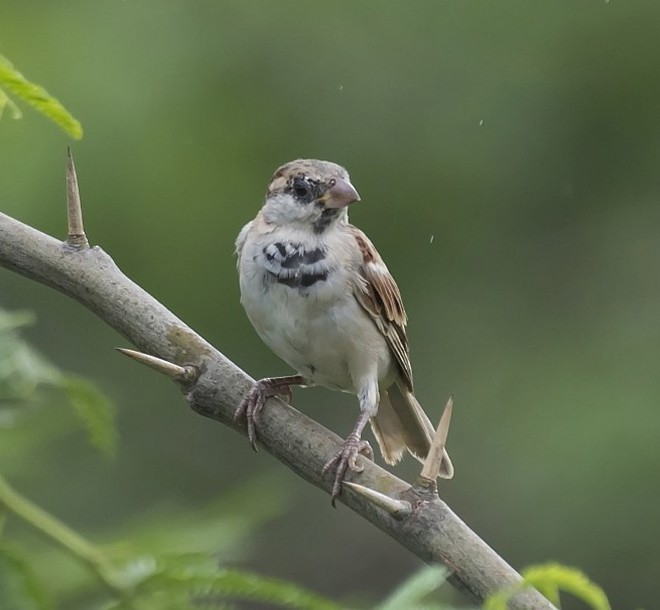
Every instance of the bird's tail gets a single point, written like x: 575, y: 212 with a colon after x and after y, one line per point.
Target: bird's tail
x: 402, y: 424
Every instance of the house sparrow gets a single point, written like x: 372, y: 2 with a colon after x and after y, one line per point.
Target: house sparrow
x: 320, y: 296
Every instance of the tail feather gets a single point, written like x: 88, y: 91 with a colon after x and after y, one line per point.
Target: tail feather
x: 386, y: 427
x: 401, y: 423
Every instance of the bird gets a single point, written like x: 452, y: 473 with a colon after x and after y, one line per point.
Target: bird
x: 318, y: 293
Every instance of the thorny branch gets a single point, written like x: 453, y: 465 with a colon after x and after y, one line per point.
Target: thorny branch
x: 213, y: 386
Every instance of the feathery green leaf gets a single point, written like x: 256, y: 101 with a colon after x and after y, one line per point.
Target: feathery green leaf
x: 23, y: 371
x: 415, y: 588
x: 95, y: 411
x: 12, y: 80
x: 551, y: 579
x: 571, y: 580
x: 198, y: 577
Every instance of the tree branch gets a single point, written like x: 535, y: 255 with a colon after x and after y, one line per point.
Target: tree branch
x: 418, y: 519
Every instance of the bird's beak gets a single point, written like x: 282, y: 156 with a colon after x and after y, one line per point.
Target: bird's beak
x: 340, y: 194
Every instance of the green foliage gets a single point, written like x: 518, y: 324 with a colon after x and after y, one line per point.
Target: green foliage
x: 134, y: 577
x: 94, y: 409
x: 195, y: 580
x: 37, y: 97
x: 411, y: 593
x: 26, y: 377
x: 551, y: 579
x: 21, y: 368
x: 19, y: 588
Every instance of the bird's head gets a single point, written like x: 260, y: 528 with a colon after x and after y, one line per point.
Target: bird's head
x: 308, y: 192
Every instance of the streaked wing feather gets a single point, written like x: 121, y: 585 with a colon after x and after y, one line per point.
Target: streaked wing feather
x: 380, y: 297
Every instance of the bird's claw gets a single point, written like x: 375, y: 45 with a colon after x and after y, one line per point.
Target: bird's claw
x: 346, y: 459
x: 253, y: 403
x: 251, y: 407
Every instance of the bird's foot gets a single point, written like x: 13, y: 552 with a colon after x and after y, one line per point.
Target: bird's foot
x: 345, y: 459
x: 254, y: 401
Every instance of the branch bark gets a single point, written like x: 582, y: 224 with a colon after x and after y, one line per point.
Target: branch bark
x: 431, y: 530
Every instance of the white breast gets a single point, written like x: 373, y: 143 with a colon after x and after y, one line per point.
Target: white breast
x: 320, y: 330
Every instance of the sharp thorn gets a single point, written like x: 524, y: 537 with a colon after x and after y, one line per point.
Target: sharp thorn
x: 174, y: 371
x: 399, y: 509
x: 433, y: 462
x: 76, y: 237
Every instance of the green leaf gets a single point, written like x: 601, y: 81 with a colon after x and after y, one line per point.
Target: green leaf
x: 197, y: 577
x: 570, y: 580
x: 223, y: 528
x: 19, y: 589
x: 413, y: 590
x: 551, y: 579
x: 95, y: 410
x: 23, y: 371
x: 38, y: 98
x: 162, y: 600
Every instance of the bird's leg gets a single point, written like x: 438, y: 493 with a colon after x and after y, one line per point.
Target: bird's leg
x: 254, y: 400
x: 346, y: 457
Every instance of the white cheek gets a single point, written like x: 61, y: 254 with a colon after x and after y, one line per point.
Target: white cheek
x: 284, y: 209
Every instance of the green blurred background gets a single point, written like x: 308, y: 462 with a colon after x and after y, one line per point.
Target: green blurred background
x: 506, y: 154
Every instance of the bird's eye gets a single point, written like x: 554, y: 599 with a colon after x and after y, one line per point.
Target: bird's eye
x: 301, y: 188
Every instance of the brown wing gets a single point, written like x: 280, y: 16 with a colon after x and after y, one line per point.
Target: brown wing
x: 380, y: 297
